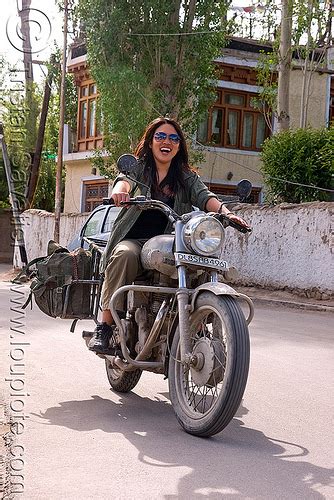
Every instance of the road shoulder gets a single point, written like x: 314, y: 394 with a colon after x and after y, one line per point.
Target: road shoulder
x: 4, y: 453
x: 286, y: 298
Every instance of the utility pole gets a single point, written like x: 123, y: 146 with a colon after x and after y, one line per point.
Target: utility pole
x: 26, y: 43
x: 284, y: 67
x: 61, y: 130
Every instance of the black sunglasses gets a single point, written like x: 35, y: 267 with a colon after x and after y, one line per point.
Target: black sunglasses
x: 162, y: 136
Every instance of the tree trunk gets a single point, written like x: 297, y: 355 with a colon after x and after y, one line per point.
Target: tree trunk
x: 34, y: 171
x: 306, y: 68
x: 187, y: 28
x: 167, y: 75
x: 283, y: 112
x: 326, y: 37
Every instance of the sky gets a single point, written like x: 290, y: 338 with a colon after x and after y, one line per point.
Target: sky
x: 45, y: 27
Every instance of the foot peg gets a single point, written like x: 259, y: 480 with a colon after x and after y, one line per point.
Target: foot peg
x: 86, y: 335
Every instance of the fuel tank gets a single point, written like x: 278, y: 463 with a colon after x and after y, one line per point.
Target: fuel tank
x: 158, y: 254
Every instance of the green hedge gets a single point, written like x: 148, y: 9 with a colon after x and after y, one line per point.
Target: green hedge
x: 303, y: 156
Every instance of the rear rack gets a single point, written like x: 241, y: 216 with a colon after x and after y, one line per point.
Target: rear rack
x: 95, y: 286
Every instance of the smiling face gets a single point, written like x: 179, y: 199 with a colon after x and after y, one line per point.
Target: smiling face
x: 165, y: 150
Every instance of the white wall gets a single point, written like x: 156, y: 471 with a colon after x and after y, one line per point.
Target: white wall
x: 38, y: 230
x: 291, y: 245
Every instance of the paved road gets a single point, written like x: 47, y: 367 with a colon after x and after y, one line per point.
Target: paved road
x: 81, y: 441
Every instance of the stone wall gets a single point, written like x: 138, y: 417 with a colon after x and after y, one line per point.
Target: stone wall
x: 38, y: 230
x: 291, y: 246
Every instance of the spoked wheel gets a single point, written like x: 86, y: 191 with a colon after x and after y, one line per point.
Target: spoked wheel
x: 206, y: 396
x: 120, y: 380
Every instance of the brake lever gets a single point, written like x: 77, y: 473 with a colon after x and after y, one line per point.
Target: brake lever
x: 132, y: 201
x: 108, y: 201
x: 235, y: 225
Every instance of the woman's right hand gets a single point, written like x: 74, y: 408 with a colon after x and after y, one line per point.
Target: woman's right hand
x: 120, y: 197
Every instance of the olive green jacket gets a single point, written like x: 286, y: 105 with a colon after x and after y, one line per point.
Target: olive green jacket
x: 195, y: 193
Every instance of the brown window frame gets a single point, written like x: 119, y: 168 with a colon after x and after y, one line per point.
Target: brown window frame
x: 331, y: 103
x: 87, y: 141
x: 241, y: 110
x: 89, y: 203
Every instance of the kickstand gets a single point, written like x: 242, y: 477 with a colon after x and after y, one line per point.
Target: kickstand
x: 73, y: 325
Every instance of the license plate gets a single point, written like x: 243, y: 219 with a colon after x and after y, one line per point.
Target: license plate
x: 198, y: 260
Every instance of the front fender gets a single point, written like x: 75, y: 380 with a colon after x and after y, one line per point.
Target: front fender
x: 223, y: 289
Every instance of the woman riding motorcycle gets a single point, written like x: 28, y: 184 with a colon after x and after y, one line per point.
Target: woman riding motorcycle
x: 164, y: 174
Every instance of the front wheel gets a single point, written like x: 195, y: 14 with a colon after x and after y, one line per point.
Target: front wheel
x: 120, y: 380
x: 206, y: 397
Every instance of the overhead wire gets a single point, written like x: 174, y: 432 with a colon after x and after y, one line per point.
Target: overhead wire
x: 206, y: 148
x: 268, y: 176
x: 182, y: 33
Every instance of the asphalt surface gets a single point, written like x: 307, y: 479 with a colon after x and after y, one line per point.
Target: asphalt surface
x: 81, y: 440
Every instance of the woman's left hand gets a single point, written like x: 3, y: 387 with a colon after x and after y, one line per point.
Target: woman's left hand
x: 238, y: 220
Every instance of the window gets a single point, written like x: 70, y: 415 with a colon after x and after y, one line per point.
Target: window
x: 110, y: 219
x: 93, y: 193
x: 89, y: 135
x: 233, y: 122
x: 94, y: 223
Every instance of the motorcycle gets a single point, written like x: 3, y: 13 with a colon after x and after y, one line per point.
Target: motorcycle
x: 182, y: 321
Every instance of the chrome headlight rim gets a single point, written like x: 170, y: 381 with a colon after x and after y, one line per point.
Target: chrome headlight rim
x: 190, y: 231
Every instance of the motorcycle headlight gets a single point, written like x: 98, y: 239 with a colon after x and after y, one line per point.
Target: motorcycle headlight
x: 203, y: 235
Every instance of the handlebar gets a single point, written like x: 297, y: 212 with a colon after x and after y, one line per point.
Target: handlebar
x: 146, y: 203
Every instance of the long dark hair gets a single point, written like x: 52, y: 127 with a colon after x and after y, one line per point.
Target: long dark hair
x: 179, y: 163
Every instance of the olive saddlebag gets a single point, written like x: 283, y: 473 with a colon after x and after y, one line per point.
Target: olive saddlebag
x: 54, y: 285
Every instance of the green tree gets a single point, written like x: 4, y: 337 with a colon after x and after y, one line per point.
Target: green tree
x: 302, y: 156
x: 311, y: 38
x: 306, y: 44
x: 15, y: 114
x: 45, y: 192
x: 4, y: 202
x: 149, y: 58
x: 20, y: 151
x: 256, y: 21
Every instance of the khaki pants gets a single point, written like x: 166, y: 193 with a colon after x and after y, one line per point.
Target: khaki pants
x: 123, y: 267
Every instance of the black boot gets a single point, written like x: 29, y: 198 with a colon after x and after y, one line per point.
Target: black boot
x: 100, y: 341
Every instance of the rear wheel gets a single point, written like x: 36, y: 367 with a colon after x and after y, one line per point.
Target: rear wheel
x: 120, y: 380
x: 205, y: 397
